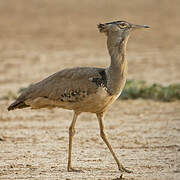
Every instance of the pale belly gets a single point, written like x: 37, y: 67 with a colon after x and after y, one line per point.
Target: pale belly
x: 94, y: 103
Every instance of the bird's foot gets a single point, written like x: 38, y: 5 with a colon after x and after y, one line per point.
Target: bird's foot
x: 123, y: 169
x: 70, y: 169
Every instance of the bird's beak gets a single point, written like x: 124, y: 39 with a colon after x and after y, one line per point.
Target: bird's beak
x: 135, y: 26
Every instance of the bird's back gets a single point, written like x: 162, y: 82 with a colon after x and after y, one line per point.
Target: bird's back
x: 81, y: 89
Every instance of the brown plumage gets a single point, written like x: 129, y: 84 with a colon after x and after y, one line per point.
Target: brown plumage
x: 85, y: 89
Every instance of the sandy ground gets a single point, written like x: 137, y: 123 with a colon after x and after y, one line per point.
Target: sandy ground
x: 41, y: 37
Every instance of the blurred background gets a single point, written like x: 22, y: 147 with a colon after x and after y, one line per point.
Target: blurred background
x: 41, y: 37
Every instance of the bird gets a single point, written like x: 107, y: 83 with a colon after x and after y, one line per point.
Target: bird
x: 85, y: 89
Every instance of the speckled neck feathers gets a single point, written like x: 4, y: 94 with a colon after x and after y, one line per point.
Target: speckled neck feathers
x: 116, y: 73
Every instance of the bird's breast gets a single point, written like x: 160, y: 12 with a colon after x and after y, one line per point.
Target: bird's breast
x: 96, y: 102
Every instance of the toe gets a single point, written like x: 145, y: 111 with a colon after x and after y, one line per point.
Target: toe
x: 123, y: 169
x: 74, y: 170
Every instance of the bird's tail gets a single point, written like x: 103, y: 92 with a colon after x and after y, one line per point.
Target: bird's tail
x: 17, y: 105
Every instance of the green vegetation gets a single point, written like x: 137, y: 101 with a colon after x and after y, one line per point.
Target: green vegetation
x: 140, y: 89
x: 133, y: 90
x: 9, y: 96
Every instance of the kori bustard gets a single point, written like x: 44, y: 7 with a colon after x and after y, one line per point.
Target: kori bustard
x: 85, y: 89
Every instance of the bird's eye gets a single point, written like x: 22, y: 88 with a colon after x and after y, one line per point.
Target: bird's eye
x: 123, y: 25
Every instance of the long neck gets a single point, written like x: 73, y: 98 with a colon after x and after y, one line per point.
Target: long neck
x: 117, y: 51
x: 118, y: 67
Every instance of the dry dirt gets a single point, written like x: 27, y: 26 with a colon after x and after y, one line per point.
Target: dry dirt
x: 40, y: 37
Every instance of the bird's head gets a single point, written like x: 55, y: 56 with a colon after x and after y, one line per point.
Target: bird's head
x: 119, y: 28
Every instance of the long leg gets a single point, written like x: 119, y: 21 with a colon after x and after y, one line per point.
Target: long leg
x: 100, y: 117
x: 71, y: 134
